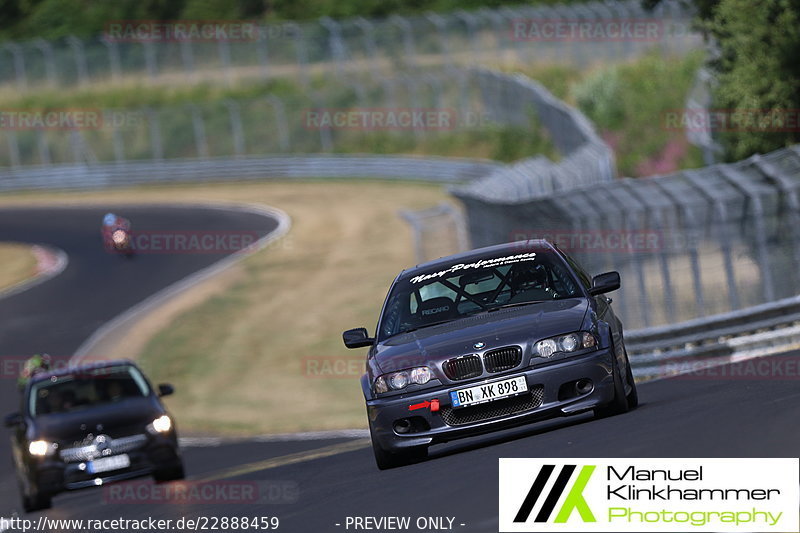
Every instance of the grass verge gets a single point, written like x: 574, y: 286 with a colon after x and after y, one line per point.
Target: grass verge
x: 17, y: 263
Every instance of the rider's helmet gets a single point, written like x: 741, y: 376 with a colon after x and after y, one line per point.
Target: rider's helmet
x: 34, y: 365
x: 110, y: 219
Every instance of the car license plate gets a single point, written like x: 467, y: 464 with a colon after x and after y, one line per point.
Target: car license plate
x: 489, y: 392
x: 104, y: 464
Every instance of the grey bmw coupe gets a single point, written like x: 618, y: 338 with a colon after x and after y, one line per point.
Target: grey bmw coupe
x: 489, y: 339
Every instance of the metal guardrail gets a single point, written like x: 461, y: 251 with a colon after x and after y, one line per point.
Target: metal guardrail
x: 83, y: 176
x: 697, y: 344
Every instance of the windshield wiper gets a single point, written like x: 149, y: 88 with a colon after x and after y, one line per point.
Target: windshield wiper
x: 516, y: 304
x: 409, y: 330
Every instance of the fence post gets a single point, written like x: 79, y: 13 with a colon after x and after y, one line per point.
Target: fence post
x: 723, y: 235
x: 408, y: 38
x: 13, y: 148
x: 49, y: 61
x: 44, y: 148
x: 19, y: 64
x: 282, y: 122
x: 151, y: 62
x: 80, y: 59
x: 199, y: 130
x: 368, y: 29
x: 156, y: 146
x: 301, y: 51
x: 237, y: 132
x: 187, y: 58
x: 335, y: 44
x: 262, y: 49
x: 112, y: 50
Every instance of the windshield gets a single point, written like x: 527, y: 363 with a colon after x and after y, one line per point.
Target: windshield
x: 85, y: 389
x: 460, y: 290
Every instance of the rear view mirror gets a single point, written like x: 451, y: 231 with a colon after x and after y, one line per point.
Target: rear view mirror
x: 12, y: 420
x: 357, y: 338
x: 475, y: 277
x: 603, y: 283
x: 165, y: 389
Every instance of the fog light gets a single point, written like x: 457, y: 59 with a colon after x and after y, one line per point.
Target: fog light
x: 402, y: 426
x: 584, y: 386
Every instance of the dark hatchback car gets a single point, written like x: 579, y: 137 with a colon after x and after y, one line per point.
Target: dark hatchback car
x: 90, y: 425
x: 489, y: 339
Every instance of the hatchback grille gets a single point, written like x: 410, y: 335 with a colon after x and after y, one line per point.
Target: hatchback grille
x: 92, y: 451
x: 495, y: 409
x: 502, y: 358
x: 463, y: 367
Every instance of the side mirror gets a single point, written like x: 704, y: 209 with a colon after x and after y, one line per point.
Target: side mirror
x: 603, y: 283
x: 165, y: 389
x: 12, y: 420
x: 357, y: 338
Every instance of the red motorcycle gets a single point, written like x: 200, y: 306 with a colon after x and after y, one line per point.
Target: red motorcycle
x: 117, y: 236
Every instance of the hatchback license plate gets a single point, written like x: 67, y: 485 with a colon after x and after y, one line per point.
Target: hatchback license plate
x: 488, y: 392
x: 104, y: 464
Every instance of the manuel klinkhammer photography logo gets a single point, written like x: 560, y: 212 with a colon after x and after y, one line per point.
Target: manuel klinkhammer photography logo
x: 642, y: 495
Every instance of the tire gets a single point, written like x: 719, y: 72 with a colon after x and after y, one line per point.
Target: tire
x: 386, y: 460
x: 621, y: 403
x: 633, y: 395
x: 36, y: 502
x: 174, y: 473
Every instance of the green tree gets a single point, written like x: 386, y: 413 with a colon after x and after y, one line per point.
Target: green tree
x: 758, y: 69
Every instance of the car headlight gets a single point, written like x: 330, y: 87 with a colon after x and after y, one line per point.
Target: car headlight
x: 402, y: 379
x: 571, y: 342
x: 162, y: 424
x: 40, y: 448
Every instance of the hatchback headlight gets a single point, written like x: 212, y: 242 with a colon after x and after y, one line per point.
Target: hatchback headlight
x: 162, y: 424
x: 402, y: 379
x: 40, y: 448
x: 571, y: 342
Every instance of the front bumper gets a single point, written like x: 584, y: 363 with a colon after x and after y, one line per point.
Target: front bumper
x: 552, y: 396
x: 54, y: 475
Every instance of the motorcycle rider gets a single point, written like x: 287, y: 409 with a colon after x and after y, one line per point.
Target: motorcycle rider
x: 116, y: 233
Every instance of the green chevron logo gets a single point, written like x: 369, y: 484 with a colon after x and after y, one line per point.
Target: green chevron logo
x: 573, y: 502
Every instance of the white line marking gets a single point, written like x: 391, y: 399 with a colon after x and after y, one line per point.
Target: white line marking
x: 206, y: 442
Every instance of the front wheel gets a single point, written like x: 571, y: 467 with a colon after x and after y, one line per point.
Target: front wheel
x: 173, y: 473
x: 622, y: 402
x: 386, y: 460
x: 36, y: 502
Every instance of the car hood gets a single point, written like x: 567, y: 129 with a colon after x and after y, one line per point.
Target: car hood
x: 127, y: 417
x: 515, y: 325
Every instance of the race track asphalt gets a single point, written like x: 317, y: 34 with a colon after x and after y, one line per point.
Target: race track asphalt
x: 313, y: 485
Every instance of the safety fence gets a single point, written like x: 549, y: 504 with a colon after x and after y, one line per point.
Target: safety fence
x: 688, y: 245
x: 404, y: 113
x: 181, y: 52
